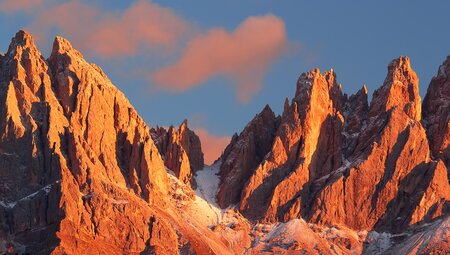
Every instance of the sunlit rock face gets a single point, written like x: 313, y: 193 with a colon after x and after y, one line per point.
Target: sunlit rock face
x: 304, y: 145
x: 390, y: 181
x: 336, y: 159
x: 79, y: 170
x: 181, y: 150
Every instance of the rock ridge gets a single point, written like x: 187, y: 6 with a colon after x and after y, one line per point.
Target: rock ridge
x: 82, y: 173
x: 181, y: 150
x: 336, y: 159
x: 79, y: 170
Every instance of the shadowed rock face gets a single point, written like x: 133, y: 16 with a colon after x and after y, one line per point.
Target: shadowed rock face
x: 243, y: 154
x: 181, y: 150
x: 436, y: 113
x: 305, y: 147
x: 384, y: 182
x: 337, y: 160
x: 355, y: 114
x: 79, y: 171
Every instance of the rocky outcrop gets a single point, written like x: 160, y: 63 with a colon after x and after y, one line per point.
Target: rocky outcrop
x: 103, y: 127
x: 431, y: 238
x: 335, y: 160
x: 181, y: 150
x: 390, y: 167
x: 436, y: 113
x: 30, y: 189
x: 400, y: 90
x: 306, y: 147
x: 79, y: 171
x: 243, y: 154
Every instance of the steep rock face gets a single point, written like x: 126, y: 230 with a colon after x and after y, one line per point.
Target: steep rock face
x: 108, y: 149
x: 79, y: 170
x: 436, y: 113
x: 390, y: 163
x: 355, y: 113
x: 400, y: 90
x: 30, y: 187
x: 104, y: 127
x: 81, y: 174
x: 306, y: 146
x: 243, y: 154
x: 181, y: 150
x: 335, y: 160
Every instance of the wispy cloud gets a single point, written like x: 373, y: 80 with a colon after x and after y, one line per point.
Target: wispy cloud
x: 243, y: 55
x: 212, y: 145
x: 19, y: 5
x: 143, y: 26
x: 146, y: 29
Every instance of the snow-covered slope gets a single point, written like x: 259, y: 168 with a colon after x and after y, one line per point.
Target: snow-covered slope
x: 199, y: 207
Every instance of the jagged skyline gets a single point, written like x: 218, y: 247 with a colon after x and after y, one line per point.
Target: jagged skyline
x: 356, y: 40
x: 83, y: 173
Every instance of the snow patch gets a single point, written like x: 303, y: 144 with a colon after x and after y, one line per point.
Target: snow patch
x: 205, y: 205
x: 208, y: 183
x: 45, y: 189
x: 9, y: 154
x: 287, y: 232
x: 378, y: 242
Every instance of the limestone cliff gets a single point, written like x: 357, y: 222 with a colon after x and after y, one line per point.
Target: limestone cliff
x: 79, y: 170
x: 336, y: 160
x: 181, y: 150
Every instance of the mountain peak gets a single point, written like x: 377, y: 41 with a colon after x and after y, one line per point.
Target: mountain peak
x: 307, y: 80
x: 267, y: 110
x: 402, y: 62
x: 23, y: 59
x: 364, y: 89
x: 183, y: 126
x: 181, y: 149
x: 63, y: 46
x: 400, y: 89
x: 81, y: 171
x: 22, y: 38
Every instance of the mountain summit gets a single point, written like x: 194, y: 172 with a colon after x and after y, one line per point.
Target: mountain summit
x: 82, y: 173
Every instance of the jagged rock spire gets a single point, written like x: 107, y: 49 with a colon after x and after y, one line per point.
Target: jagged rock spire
x: 331, y: 155
x: 243, y: 154
x: 400, y: 89
x: 181, y: 150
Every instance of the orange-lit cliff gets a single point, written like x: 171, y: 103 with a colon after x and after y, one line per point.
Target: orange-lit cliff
x: 82, y: 173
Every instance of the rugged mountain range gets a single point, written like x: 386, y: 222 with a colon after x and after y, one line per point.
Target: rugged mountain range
x: 331, y: 159
x: 81, y: 172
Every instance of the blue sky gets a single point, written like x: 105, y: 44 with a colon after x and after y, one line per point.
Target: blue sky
x: 356, y: 39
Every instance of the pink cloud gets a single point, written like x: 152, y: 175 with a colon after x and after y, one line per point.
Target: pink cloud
x: 212, y: 145
x: 19, y: 5
x: 243, y: 55
x: 143, y: 26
